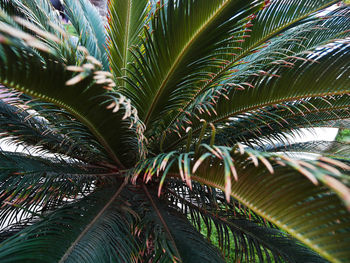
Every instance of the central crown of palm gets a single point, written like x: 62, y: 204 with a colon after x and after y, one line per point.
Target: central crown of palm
x: 173, y: 118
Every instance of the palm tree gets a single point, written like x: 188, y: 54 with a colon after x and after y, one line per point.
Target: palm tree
x: 171, y: 122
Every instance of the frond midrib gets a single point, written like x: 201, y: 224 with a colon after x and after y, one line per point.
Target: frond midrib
x: 91, y: 224
x: 127, y: 37
x: 178, y: 60
x: 77, y: 114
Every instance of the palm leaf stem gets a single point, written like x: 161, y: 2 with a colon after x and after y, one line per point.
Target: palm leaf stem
x: 90, y: 225
x: 126, y: 39
x: 162, y: 220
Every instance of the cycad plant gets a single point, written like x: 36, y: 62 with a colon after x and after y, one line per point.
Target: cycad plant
x: 170, y: 121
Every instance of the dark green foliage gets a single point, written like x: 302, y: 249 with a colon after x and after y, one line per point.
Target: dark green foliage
x: 173, y: 235
x: 106, y: 238
x: 168, y: 119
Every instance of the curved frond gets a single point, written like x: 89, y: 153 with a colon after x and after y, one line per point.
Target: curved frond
x: 238, y: 230
x: 87, y: 21
x: 126, y: 20
x: 337, y: 150
x: 173, y: 234
x: 280, y: 189
x: 271, y: 123
x: 29, y: 183
x: 178, y: 49
x: 38, y: 18
x: 274, y: 87
x: 282, y: 199
x: 101, y: 221
x: 85, y: 95
x: 277, y: 18
x: 11, y: 7
x: 28, y: 124
x: 294, y: 40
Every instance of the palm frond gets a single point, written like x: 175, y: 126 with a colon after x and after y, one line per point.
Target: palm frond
x: 268, y: 90
x: 274, y: 123
x: 337, y: 150
x: 86, y: 20
x: 39, y: 127
x: 280, y: 189
x: 10, y: 6
x: 292, y: 41
x: 38, y: 18
x: 12, y: 229
x: 238, y: 228
x: 126, y: 21
x: 94, y: 229
x: 278, y: 17
x: 264, y: 27
x: 94, y: 103
x: 177, y: 51
x: 174, y: 237
x: 283, y: 197
x: 29, y: 183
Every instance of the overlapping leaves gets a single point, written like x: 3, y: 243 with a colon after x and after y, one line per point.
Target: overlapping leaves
x: 86, y: 88
x: 269, y: 189
x: 203, y: 75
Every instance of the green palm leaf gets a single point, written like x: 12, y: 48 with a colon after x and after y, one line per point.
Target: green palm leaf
x: 235, y: 224
x: 99, y: 221
x: 179, y: 40
x: 31, y: 183
x: 126, y: 21
x: 11, y: 7
x: 270, y: 190
x: 274, y: 197
x: 337, y: 150
x: 20, y: 127
x: 86, y: 20
x: 297, y: 90
x: 276, y: 81
x: 269, y: 122
x: 95, y: 100
x: 279, y: 17
x: 323, y: 30
x: 174, y: 234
